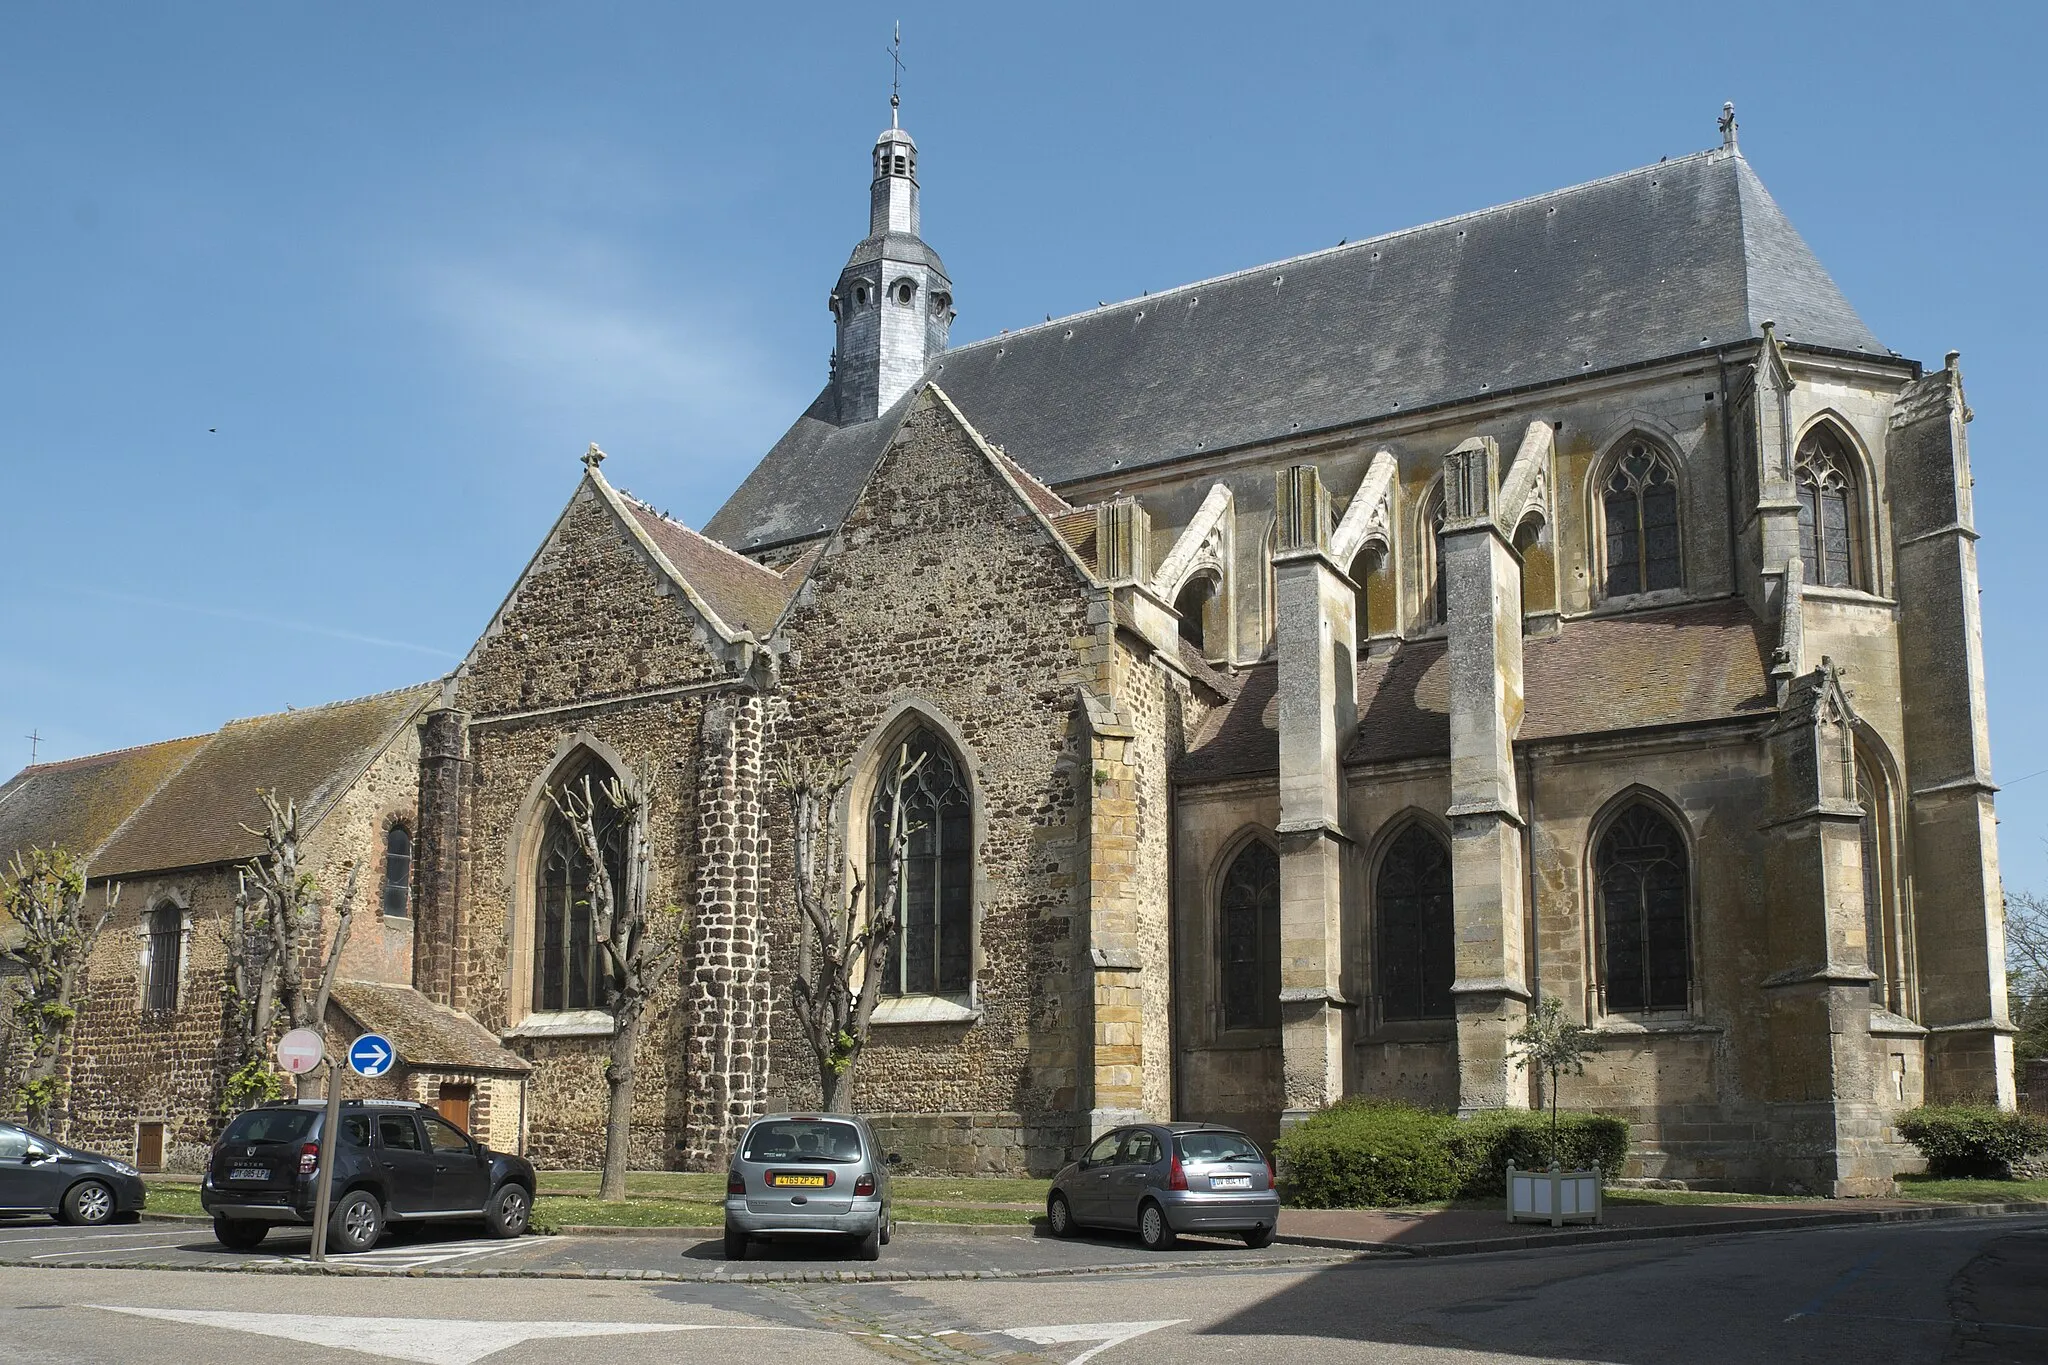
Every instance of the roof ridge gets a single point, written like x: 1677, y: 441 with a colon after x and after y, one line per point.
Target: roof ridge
x: 60, y: 764
x: 716, y: 544
x: 1708, y: 154
x: 331, y: 705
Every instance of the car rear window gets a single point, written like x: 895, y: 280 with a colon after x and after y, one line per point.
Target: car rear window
x: 270, y: 1125
x: 802, y: 1140
x: 1216, y: 1145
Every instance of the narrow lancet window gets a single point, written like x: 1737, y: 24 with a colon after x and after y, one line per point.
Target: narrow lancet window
x: 1250, y: 939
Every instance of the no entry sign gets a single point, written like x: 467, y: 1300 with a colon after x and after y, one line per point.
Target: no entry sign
x: 300, y: 1051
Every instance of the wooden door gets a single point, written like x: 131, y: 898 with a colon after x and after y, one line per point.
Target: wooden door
x: 149, y: 1146
x: 453, y: 1103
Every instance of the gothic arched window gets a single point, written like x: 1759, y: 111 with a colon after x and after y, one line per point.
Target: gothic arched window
x: 1644, y: 892
x: 1417, y: 954
x: 1250, y: 938
x: 1883, y: 933
x: 166, y: 926
x: 568, y: 973
x: 397, y: 872
x: 1639, y: 504
x: 1429, y: 546
x: 1193, y: 605
x: 1825, y: 480
x: 933, y: 953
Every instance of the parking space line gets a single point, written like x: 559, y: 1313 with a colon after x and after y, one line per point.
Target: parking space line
x: 92, y: 1236
x: 97, y: 1251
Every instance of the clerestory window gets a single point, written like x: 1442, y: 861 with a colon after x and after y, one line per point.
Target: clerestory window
x: 1824, y: 478
x: 1639, y: 503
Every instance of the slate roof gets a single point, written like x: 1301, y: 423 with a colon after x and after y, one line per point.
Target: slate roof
x: 425, y: 1034
x: 312, y: 756
x: 1678, y: 257
x: 78, y: 803
x: 1683, y: 665
x: 745, y: 595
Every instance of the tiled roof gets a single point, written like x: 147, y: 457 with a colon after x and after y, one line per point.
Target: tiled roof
x: 745, y: 595
x: 425, y: 1034
x: 310, y: 756
x: 1669, y: 259
x: 77, y: 804
x: 1683, y: 665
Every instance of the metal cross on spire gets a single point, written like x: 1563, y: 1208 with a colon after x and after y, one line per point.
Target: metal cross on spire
x: 896, y: 75
x: 35, y: 741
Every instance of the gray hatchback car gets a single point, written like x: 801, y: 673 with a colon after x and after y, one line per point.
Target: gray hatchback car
x: 808, y: 1175
x: 1163, y: 1179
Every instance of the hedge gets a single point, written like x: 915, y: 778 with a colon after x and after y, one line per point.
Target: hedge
x: 1973, y: 1140
x: 1364, y: 1153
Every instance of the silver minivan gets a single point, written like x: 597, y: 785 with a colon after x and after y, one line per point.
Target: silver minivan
x: 808, y: 1175
x: 1161, y: 1179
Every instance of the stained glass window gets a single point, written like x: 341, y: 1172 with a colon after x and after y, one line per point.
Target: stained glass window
x: 1412, y: 896
x: 933, y: 953
x: 567, y: 974
x: 1644, y: 890
x: 1640, y: 504
x: 1822, y: 475
x: 1251, y: 939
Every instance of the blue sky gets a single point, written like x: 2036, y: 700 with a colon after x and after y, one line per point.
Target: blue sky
x: 306, y: 312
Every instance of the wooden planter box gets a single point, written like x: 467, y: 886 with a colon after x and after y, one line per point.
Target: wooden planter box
x: 1555, y: 1197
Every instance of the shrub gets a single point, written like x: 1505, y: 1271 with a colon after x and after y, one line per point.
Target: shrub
x: 1973, y: 1140
x: 1363, y: 1153
x: 1490, y: 1141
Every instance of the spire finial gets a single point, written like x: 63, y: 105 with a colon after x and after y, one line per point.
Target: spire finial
x: 896, y: 75
x: 593, y: 457
x: 1728, y: 126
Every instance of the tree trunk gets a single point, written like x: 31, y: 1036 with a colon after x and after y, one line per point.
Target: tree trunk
x: 618, y: 1117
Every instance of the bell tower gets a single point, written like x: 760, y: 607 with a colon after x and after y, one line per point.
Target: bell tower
x: 893, y: 305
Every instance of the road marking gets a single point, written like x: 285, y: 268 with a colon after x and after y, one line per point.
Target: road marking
x: 1848, y: 1277
x: 98, y: 1236
x: 1108, y: 1334
x: 430, y: 1341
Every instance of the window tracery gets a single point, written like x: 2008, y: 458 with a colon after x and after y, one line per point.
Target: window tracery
x: 1645, y: 892
x: 933, y: 953
x: 1250, y: 938
x: 567, y: 972
x: 1639, y: 504
x: 1417, y: 952
x: 1824, y: 477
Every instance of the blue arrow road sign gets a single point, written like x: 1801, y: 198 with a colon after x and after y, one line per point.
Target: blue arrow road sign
x: 372, y: 1055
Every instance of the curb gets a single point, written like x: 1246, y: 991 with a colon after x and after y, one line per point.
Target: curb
x: 1585, y: 1236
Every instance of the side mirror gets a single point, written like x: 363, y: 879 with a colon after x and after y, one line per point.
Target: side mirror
x: 894, y: 1158
x: 37, y: 1155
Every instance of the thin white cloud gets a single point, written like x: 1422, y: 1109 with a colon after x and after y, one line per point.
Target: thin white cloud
x: 255, y: 618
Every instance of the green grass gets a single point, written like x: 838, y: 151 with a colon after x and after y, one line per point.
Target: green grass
x: 171, y: 1197
x: 1696, y: 1197
x: 1972, y: 1191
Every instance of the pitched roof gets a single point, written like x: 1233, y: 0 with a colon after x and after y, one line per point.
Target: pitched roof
x: 744, y: 594
x: 425, y: 1034
x: 1673, y: 258
x: 311, y: 756
x: 77, y: 804
x: 1685, y: 665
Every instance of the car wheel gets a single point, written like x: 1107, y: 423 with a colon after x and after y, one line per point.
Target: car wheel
x: 1059, y: 1217
x: 888, y: 1230
x: 869, y: 1248
x: 1153, y: 1229
x: 735, y: 1241
x: 356, y: 1223
x: 510, y: 1211
x: 1255, y: 1238
x: 88, y: 1203
x: 239, y: 1234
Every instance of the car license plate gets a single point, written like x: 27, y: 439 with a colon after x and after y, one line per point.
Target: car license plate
x: 249, y: 1173
x: 1230, y: 1182
x: 807, y: 1182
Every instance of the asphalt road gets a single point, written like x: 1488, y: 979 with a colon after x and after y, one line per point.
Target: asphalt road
x: 1969, y: 1292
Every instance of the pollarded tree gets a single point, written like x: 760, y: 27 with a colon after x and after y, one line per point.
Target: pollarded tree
x: 44, y: 894
x: 268, y: 936
x: 641, y: 947
x: 845, y: 938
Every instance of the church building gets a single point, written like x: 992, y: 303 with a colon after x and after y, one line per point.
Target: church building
x: 1313, y: 667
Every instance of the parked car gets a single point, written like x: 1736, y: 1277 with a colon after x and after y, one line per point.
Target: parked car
x: 808, y: 1175
x: 396, y: 1162
x: 39, y: 1174
x: 1163, y: 1179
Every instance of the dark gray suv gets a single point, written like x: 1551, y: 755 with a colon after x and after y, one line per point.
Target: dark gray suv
x: 397, y: 1161
x: 1161, y: 1179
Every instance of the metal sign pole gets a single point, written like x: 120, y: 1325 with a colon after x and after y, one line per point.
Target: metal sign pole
x: 327, y: 1135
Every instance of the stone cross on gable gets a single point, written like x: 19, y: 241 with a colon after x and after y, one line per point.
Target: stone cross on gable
x: 593, y: 457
